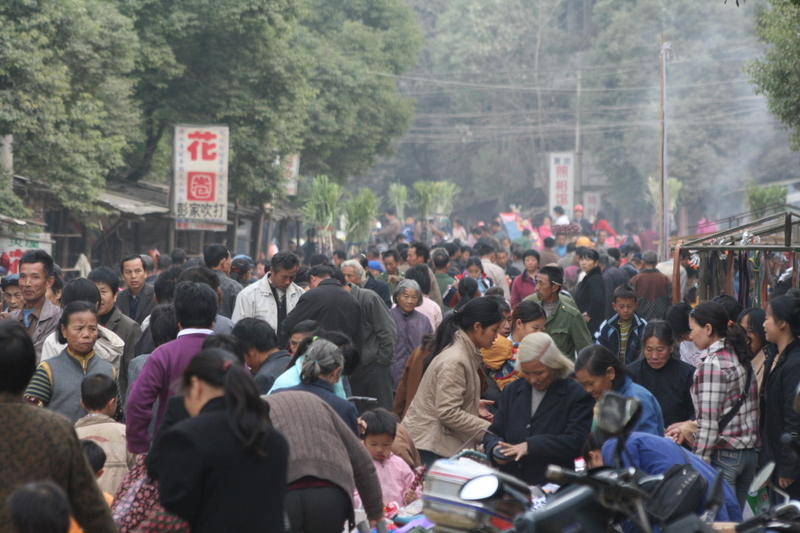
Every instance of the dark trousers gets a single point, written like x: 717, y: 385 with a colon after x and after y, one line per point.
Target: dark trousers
x: 428, y: 458
x: 318, y: 509
x: 373, y: 381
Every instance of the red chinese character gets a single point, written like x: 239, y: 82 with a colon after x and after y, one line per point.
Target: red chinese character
x: 202, y: 186
x: 561, y: 186
x: 562, y: 171
x: 205, y: 148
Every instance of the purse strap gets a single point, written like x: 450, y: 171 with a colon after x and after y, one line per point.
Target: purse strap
x: 725, y: 420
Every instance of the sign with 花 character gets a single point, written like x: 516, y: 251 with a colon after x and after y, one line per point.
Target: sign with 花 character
x: 562, y: 181
x: 200, y: 187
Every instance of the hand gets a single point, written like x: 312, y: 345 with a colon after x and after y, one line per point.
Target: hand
x: 395, y: 279
x: 4, y: 315
x: 483, y: 412
x: 586, y: 318
x: 784, y: 482
x: 410, y: 496
x: 362, y: 426
x: 514, y: 451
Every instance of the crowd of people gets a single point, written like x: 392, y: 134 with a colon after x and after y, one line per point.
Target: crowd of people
x: 288, y: 394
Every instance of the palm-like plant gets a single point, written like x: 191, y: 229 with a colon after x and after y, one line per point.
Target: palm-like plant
x: 360, y: 211
x: 398, y: 198
x: 322, y: 207
x: 425, y: 192
x: 443, y: 199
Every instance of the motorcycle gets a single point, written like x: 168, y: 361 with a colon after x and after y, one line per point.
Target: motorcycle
x: 594, y: 501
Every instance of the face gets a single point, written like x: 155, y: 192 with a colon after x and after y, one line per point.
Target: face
x: 578, y: 215
x: 379, y: 446
x: 601, y: 237
x: 561, y: 240
x: 531, y: 263
x: 772, y: 327
x: 407, y: 300
x: 107, y: 298
x: 700, y: 335
x: 350, y: 275
x: 625, y: 308
x: 260, y: 270
x: 752, y: 339
x: 483, y: 337
x: 596, y: 385
x: 34, y: 282
x: 295, y: 340
x: 505, y: 328
x: 337, y: 260
x: 464, y: 256
x: 53, y: 296
x: 537, y: 375
x: 133, y: 274
x: 544, y: 289
x: 13, y: 297
x: 474, y: 272
x: 523, y: 329
x: 656, y: 352
x: 587, y: 264
x: 413, y: 258
x: 283, y: 278
x: 502, y: 259
x: 81, y: 332
x: 390, y: 265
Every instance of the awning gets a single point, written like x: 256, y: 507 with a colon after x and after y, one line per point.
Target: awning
x: 131, y: 206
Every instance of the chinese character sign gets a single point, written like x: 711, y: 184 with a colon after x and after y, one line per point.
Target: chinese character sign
x: 562, y: 180
x: 200, y: 191
x: 591, y: 204
x: 17, y: 244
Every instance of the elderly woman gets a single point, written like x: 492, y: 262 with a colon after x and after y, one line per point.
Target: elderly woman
x: 411, y: 325
x: 543, y: 418
x: 57, y: 381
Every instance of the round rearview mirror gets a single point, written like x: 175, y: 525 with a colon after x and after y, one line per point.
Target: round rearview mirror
x: 762, y: 477
x: 480, y: 488
x: 617, y: 414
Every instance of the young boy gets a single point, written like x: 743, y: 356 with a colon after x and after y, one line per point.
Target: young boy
x: 99, y: 398
x: 96, y: 458
x: 622, y: 333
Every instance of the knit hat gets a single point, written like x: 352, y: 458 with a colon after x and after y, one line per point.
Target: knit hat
x: 376, y: 265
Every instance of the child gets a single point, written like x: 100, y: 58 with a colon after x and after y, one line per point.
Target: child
x: 40, y: 507
x: 394, y: 474
x: 622, y: 333
x: 99, y: 398
x: 96, y: 458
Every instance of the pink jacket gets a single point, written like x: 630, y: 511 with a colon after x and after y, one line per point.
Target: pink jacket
x: 396, y: 478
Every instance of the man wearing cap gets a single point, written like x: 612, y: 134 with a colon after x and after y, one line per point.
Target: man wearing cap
x: 12, y: 294
x: 586, y: 226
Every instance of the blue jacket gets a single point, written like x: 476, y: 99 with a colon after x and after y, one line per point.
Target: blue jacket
x: 655, y: 455
x: 608, y: 335
x: 652, y: 420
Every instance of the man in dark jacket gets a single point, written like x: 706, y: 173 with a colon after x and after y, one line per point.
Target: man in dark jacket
x: 373, y: 376
x: 257, y: 347
x: 137, y: 300
x: 327, y: 303
x: 653, y: 288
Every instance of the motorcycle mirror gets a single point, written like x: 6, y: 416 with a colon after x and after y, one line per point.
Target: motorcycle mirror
x: 762, y: 477
x: 617, y: 414
x: 480, y: 488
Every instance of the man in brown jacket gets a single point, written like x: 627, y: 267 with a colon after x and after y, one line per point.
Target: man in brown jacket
x: 43, y: 444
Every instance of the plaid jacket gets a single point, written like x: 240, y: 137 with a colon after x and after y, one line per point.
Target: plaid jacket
x: 718, y: 383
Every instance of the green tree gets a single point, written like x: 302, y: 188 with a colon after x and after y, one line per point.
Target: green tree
x: 777, y: 74
x: 228, y: 63
x: 65, y: 90
x: 763, y: 201
x: 356, y: 47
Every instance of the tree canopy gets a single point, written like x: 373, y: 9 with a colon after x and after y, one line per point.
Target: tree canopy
x: 90, y: 89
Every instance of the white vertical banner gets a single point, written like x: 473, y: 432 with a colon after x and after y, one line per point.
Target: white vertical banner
x: 562, y: 181
x: 200, y: 186
x: 591, y: 204
x: 291, y: 171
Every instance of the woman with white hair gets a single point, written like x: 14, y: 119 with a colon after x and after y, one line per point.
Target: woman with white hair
x: 321, y: 370
x: 411, y: 325
x: 542, y: 418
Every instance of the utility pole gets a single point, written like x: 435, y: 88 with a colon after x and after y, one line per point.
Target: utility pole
x: 578, y: 147
x: 663, y: 247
